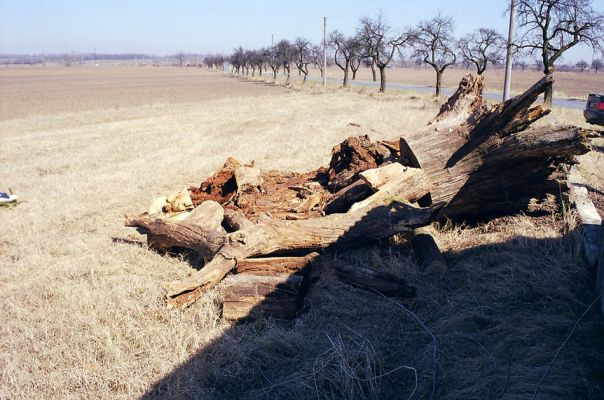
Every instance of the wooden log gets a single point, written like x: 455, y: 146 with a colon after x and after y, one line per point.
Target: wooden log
x: 208, y: 215
x: 479, y: 160
x: 370, y: 279
x: 427, y: 252
x: 251, y: 296
x: 163, y: 235
x: 235, y: 220
x: 276, y: 236
x: 275, y: 265
x: 342, y: 200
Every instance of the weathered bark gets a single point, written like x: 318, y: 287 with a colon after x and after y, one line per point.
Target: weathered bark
x: 252, y: 296
x: 366, y: 278
x: 481, y: 160
x: 373, y: 73
x: 382, y: 79
x: 427, y: 252
x: 275, y: 265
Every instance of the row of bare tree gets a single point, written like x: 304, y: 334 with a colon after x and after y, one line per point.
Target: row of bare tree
x: 547, y: 28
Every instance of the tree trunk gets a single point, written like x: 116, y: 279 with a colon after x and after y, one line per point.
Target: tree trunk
x: 382, y: 79
x: 373, y: 75
x: 481, y: 160
x: 439, y: 77
x: 345, y: 81
x: 548, y: 95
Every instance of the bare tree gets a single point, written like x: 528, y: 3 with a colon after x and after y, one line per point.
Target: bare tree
x: 284, y: 52
x: 181, y: 57
x: 597, y: 64
x: 273, y: 62
x: 482, y: 47
x: 582, y: 65
x: 551, y: 27
x: 434, y: 42
x: 238, y: 60
x: 343, y: 51
x: 316, y: 56
x: 303, y: 56
x: 380, y: 43
x: 539, y: 64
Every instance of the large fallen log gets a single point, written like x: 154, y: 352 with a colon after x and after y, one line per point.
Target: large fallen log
x: 475, y: 159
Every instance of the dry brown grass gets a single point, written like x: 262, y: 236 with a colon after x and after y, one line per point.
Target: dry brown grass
x: 83, y: 314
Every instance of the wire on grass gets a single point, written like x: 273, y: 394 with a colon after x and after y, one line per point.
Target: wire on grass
x: 549, y: 366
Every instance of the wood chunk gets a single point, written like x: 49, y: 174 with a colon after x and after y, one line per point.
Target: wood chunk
x: 341, y: 201
x: 366, y: 278
x: 248, y: 179
x: 425, y: 248
x: 376, y: 178
x: 411, y: 185
x: 208, y: 215
x: 252, y: 296
x: 275, y: 265
x: 235, y: 220
x: 354, y: 155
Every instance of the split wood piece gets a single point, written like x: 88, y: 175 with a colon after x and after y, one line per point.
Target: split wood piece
x: 426, y: 250
x: 275, y: 265
x: 248, y: 179
x: 589, y: 220
x: 377, y: 178
x: 281, y: 237
x: 408, y: 184
x: 341, y: 201
x: 249, y: 296
x: 366, y: 278
x: 235, y: 220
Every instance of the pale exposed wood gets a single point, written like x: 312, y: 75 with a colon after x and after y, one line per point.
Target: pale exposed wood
x: 208, y: 215
x: 410, y: 185
x: 248, y: 179
x: 367, y: 278
x: 590, y: 221
x: 376, y: 178
x: 251, y: 296
x: 426, y: 250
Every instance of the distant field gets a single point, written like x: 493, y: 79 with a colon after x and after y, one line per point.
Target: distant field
x: 81, y: 305
x: 37, y: 90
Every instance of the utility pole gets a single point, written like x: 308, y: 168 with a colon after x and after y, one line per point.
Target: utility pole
x: 508, y: 62
x: 324, y: 51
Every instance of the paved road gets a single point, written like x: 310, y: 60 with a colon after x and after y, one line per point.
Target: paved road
x: 574, y: 104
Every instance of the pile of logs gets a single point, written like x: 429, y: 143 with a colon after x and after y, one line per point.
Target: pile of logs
x: 262, y: 228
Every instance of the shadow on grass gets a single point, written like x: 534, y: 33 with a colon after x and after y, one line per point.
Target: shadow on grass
x: 499, y: 315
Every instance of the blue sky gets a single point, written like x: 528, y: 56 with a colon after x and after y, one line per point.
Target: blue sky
x: 200, y: 26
